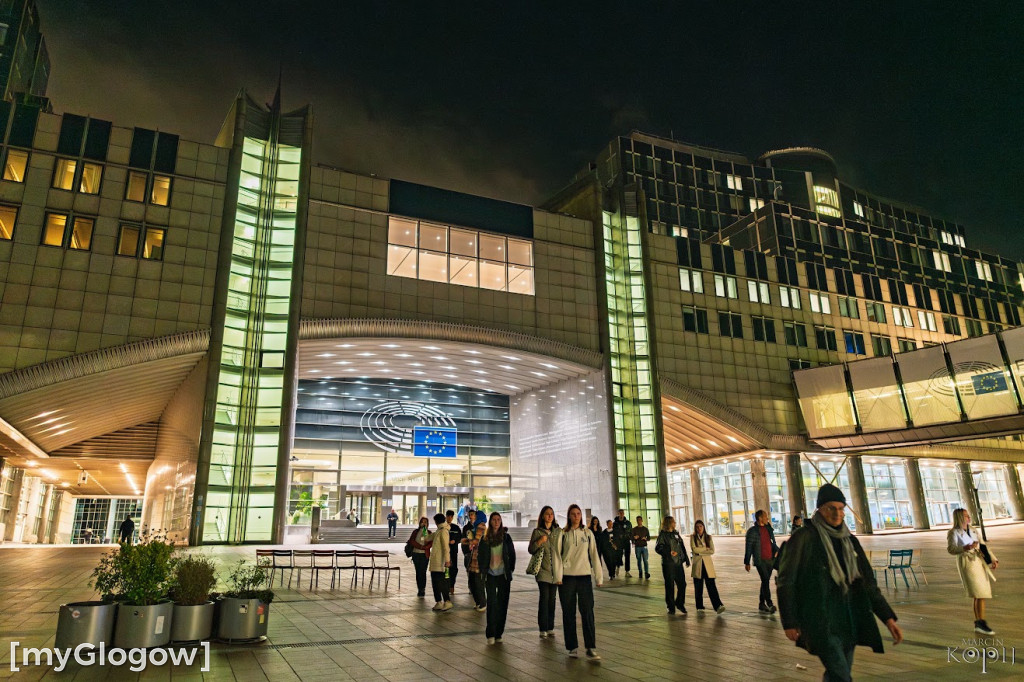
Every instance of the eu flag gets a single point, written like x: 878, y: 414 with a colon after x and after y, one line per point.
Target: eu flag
x: 992, y: 382
x: 434, y: 441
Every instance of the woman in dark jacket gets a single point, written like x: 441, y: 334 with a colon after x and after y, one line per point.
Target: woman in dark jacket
x: 673, y: 558
x: 540, y: 541
x: 496, y: 557
x: 420, y: 542
x: 604, y: 546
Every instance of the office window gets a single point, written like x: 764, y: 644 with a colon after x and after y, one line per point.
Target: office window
x: 733, y: 181
x: 819, y: 303
x: 128, y: 240
x: 876, y: 312
x: 926, y: 320
x: 826, y: 200
x: 795, y: 363
x: 960, y: 241
x: 695, y: 320
x: 789, y: 297
x: 15, y: 165
x: 725, y: 286
x: 92, y: 174
x: 730, y: 324
x: 881, y: 345
x: 848, y: 307
x: 64, y: 174
x: 161, y: 194
x: 951, y: 325
x: 53, y: 230
x: 153, y: 245
x: 678, y: 231
x: 941, y: 261
x: 691, y: 280
x: 906, y: 344
x: 946, y: 237
x: 796, y: 334
x: 764, y: 328
x: 8, y: 216
x: 901, y: 317
x: 81, y: 234
x: 973, y: 327
x: 984, y: 270
x: 825, y: 337
x: 858, y: 209
x: 136, y: 189
x: 854, y: 343
x: 755, y: 204
x: 758, y: 292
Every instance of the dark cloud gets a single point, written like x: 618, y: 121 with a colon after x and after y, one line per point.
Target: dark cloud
x: 509, y: 101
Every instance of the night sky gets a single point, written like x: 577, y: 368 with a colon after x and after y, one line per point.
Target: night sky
x: 919, y: 102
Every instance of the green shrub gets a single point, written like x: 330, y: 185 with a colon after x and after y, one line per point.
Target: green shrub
x: 139, y: 574
x: 195, y: 576
x: 247, y: 581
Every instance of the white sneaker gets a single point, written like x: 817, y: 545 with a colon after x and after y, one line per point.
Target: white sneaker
x: 720, y: 609
x: 543, y: 634
x: 490, y: 640
x: 497, y: 640
x: 574, y: 653
x: 481, y: 608
x: 628, y: 574
x: 551, y: 634
x: 592, y: 655
x: 437, y: 606
x: 447, y: 606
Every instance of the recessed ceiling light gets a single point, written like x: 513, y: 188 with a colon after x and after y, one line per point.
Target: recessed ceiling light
x: 326, y: 355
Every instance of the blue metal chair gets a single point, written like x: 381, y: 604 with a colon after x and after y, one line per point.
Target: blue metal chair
x: 899, y: 560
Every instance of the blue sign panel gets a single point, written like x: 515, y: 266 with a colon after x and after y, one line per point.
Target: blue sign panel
x: 434, y: 441
x: 993, y: 382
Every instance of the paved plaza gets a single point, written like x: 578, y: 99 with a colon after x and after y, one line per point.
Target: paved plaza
x: 368, y: 633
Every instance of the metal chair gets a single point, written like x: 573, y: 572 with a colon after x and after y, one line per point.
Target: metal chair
x: 323, y: 560
x: 915, y: 565
x: 302, y: 560
x: 282, y: 561
x: 899, y: 560
x: 266, y: 556
x: 879, y: 560
x: 345, y: 560
x: 364, y: 554
x: 385, y: 568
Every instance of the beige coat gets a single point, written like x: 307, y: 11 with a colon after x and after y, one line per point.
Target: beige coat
x: 702, y: 557
x: 439, y: 551
x: 975, y: 574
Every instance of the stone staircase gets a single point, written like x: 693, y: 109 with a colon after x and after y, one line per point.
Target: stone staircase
x: 375, y: 535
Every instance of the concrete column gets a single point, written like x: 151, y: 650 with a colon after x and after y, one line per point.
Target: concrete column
x: 47, y: 498
x: 795, y: 484
x: 58, y: 502
x: 759, y: 481
x: 915, y: 487
x: 433, y: 502
x: 965, y: 482
x: 858, y: 494
x: 1013, y: 492
x: 386, y: 502
x: 696, y: 498
x: 12, y: 515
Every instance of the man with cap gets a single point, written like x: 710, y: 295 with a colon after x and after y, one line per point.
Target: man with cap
x: 827, y: 592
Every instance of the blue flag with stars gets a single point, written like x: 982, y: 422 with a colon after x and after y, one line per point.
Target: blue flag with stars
x: 992, y: 382
x: 434, y: 441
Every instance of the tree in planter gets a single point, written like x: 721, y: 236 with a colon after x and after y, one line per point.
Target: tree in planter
x: 194, y: 579
x: 140, y: 574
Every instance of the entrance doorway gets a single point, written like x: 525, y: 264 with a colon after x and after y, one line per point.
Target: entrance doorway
x: 409, y: 507
x: 362, y: 506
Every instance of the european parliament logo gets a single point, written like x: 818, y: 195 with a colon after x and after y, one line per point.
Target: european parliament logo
x: 991, y: 382
x: 434, y: 441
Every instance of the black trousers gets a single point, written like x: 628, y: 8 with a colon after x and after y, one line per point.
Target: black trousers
x: 392, y: 528
x: 698, y: 590
x: 577, y: 589
x: 419, y: 562
x: 626, y: 551
x: 675, y: 586
x: 611, y: 560
x: 453, y: 570
x: 440, y: 585
x: 546, y: 607
x: 497, y: 588
x: 476, y: 588
x: 764, y: 569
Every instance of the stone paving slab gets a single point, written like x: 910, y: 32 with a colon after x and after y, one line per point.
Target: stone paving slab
x: 372, y: 633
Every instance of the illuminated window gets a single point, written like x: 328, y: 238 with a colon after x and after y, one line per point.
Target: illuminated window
x: 984, y: 270
x: 53, y: 231
x: 153, y: 246
x: 876, y: 312
x: 15, y: 166
x: 64, y: 174
x: 858, y: 209
x: 941, y: 261
x: 789, y: 297
x: 826, y: 200
x: 756, y: 204
x: 733, y: 181
x: 819, y: 303
x: 926, y: 320
x: 136, y: 190
x: 881, y: 345
x: 8, y: 216
x: 901, y: 317
x: 848, y: 307
x: 691, y: 280
x: 161, y: 194
x: 128, y: 240
x: 678, y: 231
x: 92, y: 173
x: 81, y: 234
x: 725, y: 287
x: 757, y: 292
x: 854, y: 343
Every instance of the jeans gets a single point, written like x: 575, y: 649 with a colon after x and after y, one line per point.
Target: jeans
x: 764, y: 569
x: 577, y: 588
x: 419, y: 562
x: 546, y: 607
x: 837, y: 658
x: 698, y: 590
x: 625, y: 556
x: 440, y: 585
x: 643, y: 564
x: 675, y: 586
x: 392, y: 528
x: 497, y: 587
x: 476, y: 588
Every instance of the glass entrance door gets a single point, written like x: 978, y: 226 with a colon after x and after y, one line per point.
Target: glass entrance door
x: 409, y: 507
x: 362, y: 506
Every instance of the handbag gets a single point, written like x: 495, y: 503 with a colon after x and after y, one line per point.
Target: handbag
x: 408, y: 549
x: 984, y: 553
x: 535, y: 561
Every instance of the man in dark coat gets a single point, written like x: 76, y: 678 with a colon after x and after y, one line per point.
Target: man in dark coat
x: 127, y: 530
x: 827, y: 592
x: 761, y: 548
x: 392, y: 523
x: 622, y: 533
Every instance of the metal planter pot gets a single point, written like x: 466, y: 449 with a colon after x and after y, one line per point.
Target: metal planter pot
x: 85, y: 622
x: 143, y: 626
x: 192, y: 623
x: 242, y: 619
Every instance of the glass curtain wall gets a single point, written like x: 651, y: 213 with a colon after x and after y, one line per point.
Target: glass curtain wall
x: 941, y: 493
x: 991, y: 493
x: 728, y: 494
x: 680, y: 500
x: 778, y: 496
x: 639, y: 472
x: 888, y: 497
x: 246, y: 436
x: 824, y: 471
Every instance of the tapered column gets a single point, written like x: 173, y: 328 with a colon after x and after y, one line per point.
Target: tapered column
x: 1013, y: 492
x: 965, y: 483
x: 915, y: 487
x: 696, y: 496
x: 759, y: 481
x: 47, y: 498
x: 858, y: 497
x: 795, y: 484
x: 12, y: 513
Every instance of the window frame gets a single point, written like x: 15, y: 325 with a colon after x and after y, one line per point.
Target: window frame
x: 14, y: 223
x: 24, y: 172
x: 787, y: 296
x: 58, y: 161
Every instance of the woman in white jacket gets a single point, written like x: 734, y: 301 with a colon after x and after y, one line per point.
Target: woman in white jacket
x: 577, y: 568
x: 975, y: 573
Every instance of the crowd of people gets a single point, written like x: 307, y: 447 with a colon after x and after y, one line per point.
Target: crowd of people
x: 827, y: 593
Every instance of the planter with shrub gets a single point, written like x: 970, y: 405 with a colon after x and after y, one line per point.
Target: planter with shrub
x: 85, y: 622
x: 195, y: 577
x: 244, y: 609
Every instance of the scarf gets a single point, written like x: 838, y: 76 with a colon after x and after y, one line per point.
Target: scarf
x: 827, y: 533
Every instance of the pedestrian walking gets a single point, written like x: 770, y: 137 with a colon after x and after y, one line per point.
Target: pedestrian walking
x: 420, y: 553
x: 454, y: 542
x: 975, y: 563
x: 605, y: 549
x: 622, y: 531
x: 827, y: 591
x: 126, y: 531
x: 540, y: 542
x: 392, y: 524
x: 497, y: 564
x: 762, y: 549
x: 577, y: 569
x: 673, y: 557
x: 702, y: 546
x: 87, y: 536
x: 439, y: 561
x: 471, y: 546
x: 798, y: 521
x: 641, y: 536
